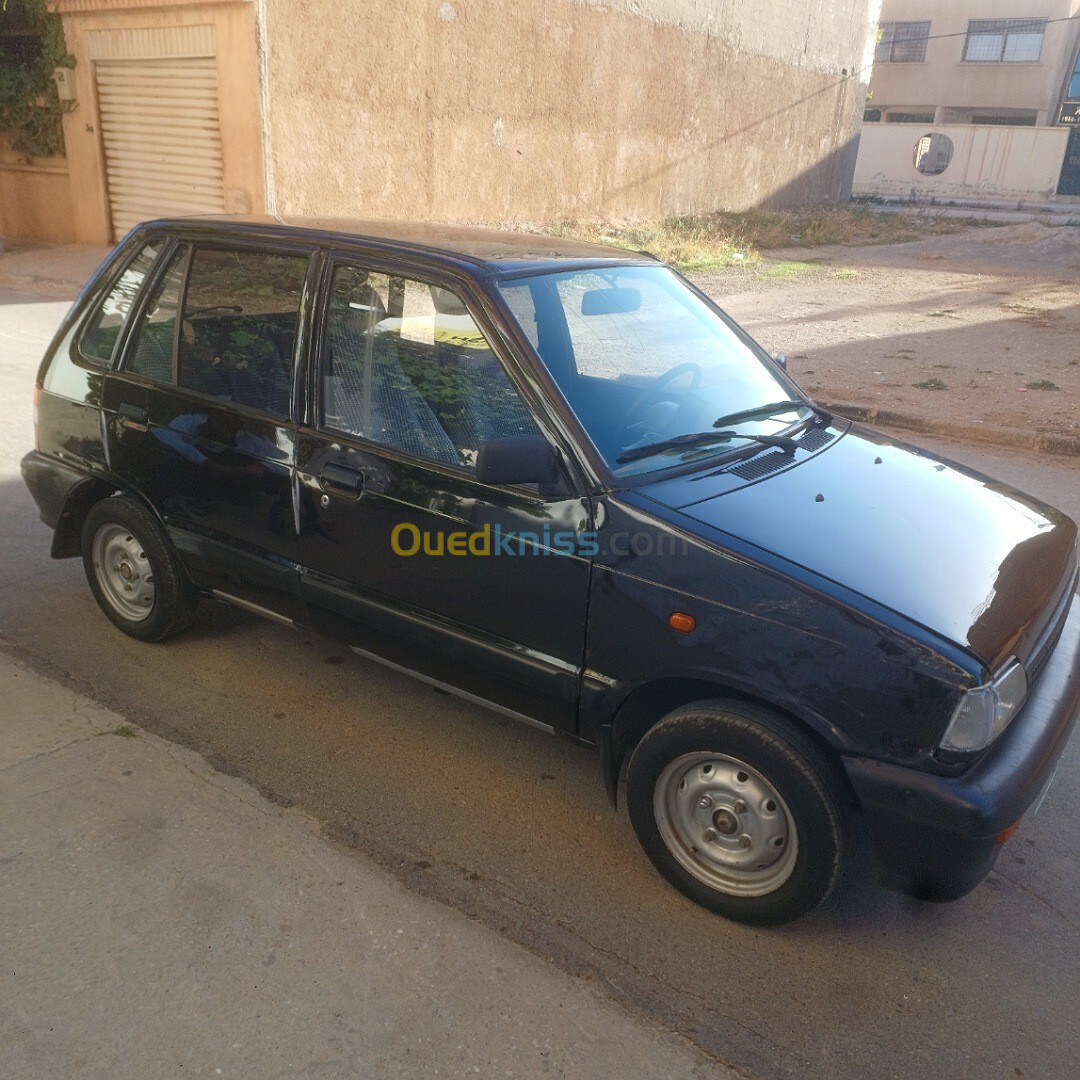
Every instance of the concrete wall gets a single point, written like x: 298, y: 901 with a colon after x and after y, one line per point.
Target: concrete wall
x: 481, y: 109
x: 35, y: 199
x: 988, y: 162
x: 945, y: 80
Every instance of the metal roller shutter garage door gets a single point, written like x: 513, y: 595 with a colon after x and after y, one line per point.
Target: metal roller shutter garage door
x: 159, y: 128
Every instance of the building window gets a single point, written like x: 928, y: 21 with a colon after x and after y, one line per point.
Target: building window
x: 872, y: 116
x: 901, y: 42
x: 1073, y: 91
x: 1025, y: 118
x: 909, y: 118
x: 1004, y: 40
x: 1000, y: 117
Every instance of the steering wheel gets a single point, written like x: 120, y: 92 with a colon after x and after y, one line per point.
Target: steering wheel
x: 653, y: 394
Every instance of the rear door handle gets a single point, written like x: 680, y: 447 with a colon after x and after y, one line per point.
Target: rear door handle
x: 136, y: 417
x: 343, y: 479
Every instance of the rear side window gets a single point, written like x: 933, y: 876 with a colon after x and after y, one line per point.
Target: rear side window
x: 151, y: 350
x: 238, y: 331
x: 98, y: 341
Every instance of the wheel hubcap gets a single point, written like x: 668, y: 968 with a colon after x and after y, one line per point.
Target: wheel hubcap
x: 725, y: 824
x: 123, y: 572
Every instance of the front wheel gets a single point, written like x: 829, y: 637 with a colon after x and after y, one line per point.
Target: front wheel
x: 133, y: 571
x: 738, y: 810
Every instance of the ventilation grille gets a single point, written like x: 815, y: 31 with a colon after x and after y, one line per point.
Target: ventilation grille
x: 1036, y: 663
x: 816, y: 438
x: 756, y: 468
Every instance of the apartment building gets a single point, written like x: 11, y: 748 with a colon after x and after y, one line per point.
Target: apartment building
x: 973, y: 100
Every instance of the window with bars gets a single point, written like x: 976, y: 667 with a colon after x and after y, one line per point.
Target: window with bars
x: 1004, y: 40
x: 901, y: 42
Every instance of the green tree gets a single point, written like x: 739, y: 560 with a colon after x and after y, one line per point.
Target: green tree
x: 31, y: 47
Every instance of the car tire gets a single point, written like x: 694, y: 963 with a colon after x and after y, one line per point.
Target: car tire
x: 739, y: 810
x: 134, y: 572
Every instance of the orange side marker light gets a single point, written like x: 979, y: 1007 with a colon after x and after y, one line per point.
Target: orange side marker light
x: 1006, y: 834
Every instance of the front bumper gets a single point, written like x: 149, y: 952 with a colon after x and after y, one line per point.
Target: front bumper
x: 936, y: 837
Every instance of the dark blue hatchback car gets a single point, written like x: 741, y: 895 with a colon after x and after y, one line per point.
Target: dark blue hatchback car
x: 554, y: 478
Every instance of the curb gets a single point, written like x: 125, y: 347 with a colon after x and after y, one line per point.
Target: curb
x: 1043, y: 442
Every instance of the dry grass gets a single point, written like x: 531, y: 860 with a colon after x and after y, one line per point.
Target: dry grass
x: 709, y: 241
x: 787, y: 268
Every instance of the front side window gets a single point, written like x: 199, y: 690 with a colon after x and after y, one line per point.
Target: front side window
x: 103, y: 328
x: 405, y: 366
x: 1004, y: 40
x: 655, y: 375
x: 901, y: 42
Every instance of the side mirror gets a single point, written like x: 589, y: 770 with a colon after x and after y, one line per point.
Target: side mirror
x: 781, y: 359
x: 520, y: 459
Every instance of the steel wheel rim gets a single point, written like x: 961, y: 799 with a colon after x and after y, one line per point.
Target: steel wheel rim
x: 725, y: 824
x: 123, y: 572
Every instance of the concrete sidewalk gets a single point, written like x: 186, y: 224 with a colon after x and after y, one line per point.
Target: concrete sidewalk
x: 57, y: 273
x: 159, y: 919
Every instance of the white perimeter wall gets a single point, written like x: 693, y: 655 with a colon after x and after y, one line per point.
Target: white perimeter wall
x: 988, y: 161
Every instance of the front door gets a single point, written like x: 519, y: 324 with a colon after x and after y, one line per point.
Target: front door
x: 404, y: 552
x: 1070, y: 168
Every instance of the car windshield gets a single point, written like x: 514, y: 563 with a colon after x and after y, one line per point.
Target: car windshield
x: 648, y: 367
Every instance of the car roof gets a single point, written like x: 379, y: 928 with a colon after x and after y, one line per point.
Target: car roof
x: 499, y: 250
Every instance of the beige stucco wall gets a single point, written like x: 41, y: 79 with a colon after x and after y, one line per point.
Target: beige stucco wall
x: 238, y: 100
x: 35, y: 198
x: 945, y: 80
x: 988, y: 162
x: 482, y: 109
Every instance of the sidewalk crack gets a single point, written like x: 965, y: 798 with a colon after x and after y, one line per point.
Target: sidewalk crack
x: 52, y: 750
x: 1035, y: 896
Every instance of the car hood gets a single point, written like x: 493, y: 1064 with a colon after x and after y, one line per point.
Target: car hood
x: 967, y: 557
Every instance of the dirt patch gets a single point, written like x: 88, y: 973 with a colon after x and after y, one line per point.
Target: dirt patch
x: 978, y: 327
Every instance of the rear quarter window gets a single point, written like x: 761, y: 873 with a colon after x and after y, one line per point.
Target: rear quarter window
x: 97, y: 344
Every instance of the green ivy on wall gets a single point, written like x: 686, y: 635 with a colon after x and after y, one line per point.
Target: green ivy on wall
x: 31, y: 46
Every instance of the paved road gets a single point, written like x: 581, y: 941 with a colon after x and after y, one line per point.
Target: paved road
x: 511, y: 826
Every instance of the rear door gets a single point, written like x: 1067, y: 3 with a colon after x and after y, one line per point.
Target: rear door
x: 405, y: 553
x: 199, y: 416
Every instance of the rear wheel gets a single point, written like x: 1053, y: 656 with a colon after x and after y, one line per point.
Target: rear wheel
x: 133, y: 571
x: 738, y: 810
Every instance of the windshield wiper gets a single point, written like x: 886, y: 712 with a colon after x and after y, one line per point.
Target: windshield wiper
x: 763, y: 412
x: 702, y: 438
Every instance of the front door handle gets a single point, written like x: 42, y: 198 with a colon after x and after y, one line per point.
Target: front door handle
x: 342, y: 479
x: 136, y: 417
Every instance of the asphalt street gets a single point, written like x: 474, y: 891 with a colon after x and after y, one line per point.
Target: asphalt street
x: 511, y: 826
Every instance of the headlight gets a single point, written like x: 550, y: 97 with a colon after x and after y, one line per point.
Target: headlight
x: 985, y: 712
